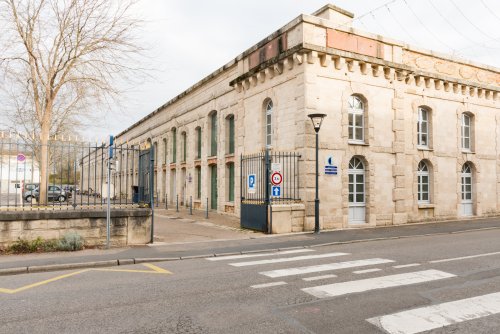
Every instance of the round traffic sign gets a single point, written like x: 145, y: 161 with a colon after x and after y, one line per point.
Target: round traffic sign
x: 276, y: 178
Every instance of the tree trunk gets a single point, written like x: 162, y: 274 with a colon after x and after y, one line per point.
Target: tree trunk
x: 44, y: 164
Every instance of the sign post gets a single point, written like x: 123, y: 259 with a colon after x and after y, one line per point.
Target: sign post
x: 108, y: 209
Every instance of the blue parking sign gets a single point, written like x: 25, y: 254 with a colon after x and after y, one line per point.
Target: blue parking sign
x: 251, y: 183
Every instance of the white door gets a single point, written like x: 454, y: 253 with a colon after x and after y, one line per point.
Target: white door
x: 467, y: 203
x: 357, y: 205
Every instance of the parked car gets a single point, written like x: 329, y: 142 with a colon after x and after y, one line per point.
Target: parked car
x: 28, y: 189
x: 54, y: 193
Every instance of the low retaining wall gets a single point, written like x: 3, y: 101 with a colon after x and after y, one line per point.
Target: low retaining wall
x: 288, y: 218
x: 128, y: 227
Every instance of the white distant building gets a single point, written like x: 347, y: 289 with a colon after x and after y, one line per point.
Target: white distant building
x: 15, y: 169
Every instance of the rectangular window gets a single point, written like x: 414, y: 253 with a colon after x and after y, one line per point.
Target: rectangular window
x: 423, y: 188
x: 213, y: 135
x: 174, y: 146
x: 198, y: 143
x: 231, y: 135
x: 198, y: 184
x: 423, y: 128
x: 466, y: 132
x: 231, y: 182
x: 184, y: 147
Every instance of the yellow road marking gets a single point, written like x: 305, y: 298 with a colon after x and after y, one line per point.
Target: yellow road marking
x: 155, y: 270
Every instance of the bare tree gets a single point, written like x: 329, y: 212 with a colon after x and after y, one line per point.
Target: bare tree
x: 59, y: 62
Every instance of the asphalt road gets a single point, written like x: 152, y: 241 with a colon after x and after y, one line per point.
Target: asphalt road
x: 409, y: 285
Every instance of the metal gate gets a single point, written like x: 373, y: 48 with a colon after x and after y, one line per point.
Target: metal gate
x: 145, y: 177
x: 255, y: 185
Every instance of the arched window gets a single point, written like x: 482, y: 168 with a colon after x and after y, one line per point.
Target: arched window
x: 423, y: 179
x: 174, y: 145
x: 230, y: 134
x: 466, y: 178
x: 466, y: 131
x: 423, y: 125
x: 213, y: 134
x: 198, y: 142
x: 184, y: 146
x: 269, y: 123
x: 357, y: 206
x: 356, y: 119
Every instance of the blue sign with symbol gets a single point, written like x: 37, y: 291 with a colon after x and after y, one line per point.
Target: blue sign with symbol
x: 251, y: 183
x: 276, y: 191
x: 331, y: 170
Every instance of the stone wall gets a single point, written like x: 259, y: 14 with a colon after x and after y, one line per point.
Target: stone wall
x: 128, y: 227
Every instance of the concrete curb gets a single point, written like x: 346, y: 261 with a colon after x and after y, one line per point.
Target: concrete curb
x: 130, y: 261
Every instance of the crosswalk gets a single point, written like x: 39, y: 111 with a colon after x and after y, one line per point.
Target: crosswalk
x: 332, y: 275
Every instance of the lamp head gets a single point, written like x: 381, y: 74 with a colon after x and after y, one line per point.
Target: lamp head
x: 317, y: 119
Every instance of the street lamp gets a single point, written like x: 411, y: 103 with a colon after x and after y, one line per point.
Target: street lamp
x: 316, y: 119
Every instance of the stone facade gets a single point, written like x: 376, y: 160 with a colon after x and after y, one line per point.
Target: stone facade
x: 317, y: 64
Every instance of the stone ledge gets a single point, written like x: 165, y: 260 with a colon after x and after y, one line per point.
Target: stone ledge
x: 72, y: 214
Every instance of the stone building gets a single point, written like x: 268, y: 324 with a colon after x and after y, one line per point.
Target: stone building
x: 415, y: 134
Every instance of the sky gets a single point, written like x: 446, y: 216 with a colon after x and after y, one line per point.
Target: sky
x: 189, y: 39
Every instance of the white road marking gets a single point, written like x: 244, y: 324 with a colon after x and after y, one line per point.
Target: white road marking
x: 316, y: 278
x: 286, y: 259
x: 464, y: 257
x: 365, y: 271
x: 407, y: 265
x: 324, y: 267
x: 438, y: 316
x: 338, y: 289
x: 244, y: 256
x: 266, y: 285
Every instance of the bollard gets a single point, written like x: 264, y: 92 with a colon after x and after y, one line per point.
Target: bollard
x: 206, y: 214
x: 157, y: 199
x: 166, y: 202
x: 177, y: 204
x: 191, y: 205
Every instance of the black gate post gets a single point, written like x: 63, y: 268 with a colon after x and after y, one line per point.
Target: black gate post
x: 151, y: 190
x: 266, y: 199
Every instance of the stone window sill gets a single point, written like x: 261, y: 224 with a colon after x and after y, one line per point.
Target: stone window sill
x: 426, y: 206
x: 424, y: 148
x: 353, y: 142
x: 468, y: 152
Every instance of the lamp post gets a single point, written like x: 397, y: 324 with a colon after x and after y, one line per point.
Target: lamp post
x: 316, y: 119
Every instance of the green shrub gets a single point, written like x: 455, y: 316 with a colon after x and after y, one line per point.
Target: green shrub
x: 71, y: 241
x: 26, y: 246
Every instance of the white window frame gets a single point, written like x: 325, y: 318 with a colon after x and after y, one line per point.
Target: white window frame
x: 269, y: 124
x: 423, y: 172
x: 466, y: 179
x: 356, y: 167
x: 356, y: 111
x: 466, y: 131
x: 420, y: 132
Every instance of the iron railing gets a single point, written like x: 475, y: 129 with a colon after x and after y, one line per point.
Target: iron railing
x: 76, y: 174
x: 262, y: 165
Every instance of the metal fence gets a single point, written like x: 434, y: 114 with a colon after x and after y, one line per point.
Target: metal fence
x: 261, y: 166
x: 76, y: 175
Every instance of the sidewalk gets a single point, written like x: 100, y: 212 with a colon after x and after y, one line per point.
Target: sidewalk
x: 247, y: 242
